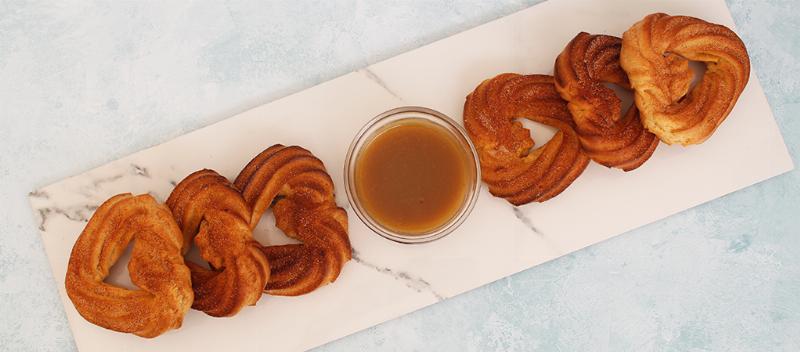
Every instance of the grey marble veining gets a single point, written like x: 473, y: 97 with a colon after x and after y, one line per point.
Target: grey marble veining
x: 373, y: 77
x: 525, y: 220
x: 411, y: 281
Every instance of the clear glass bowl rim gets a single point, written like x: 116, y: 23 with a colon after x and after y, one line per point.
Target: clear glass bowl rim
x: 375, y: 226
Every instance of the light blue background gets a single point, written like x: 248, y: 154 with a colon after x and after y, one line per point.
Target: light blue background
x: 86, y: 82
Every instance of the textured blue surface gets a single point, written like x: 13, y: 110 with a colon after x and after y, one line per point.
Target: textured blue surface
x: 86, y: 82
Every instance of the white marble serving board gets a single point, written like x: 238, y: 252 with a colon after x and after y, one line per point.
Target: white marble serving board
x: 386, y: 279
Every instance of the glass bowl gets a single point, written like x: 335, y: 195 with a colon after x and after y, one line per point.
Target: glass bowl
x: 380, y: 123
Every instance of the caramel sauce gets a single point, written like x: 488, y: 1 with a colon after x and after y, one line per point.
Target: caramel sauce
x: 412, y: 176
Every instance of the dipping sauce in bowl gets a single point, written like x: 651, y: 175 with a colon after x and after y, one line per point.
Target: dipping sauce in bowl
x: 412, y: 175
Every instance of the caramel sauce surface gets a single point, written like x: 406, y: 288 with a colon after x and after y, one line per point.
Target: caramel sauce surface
x: 412, y: 176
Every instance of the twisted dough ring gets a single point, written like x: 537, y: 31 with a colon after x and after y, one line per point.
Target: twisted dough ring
x: 295, y: 184
x: 156, y: 267
x: 607, y: 136
x: 511, y: 169
x: 656, y: 53
x: 207, y: 208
